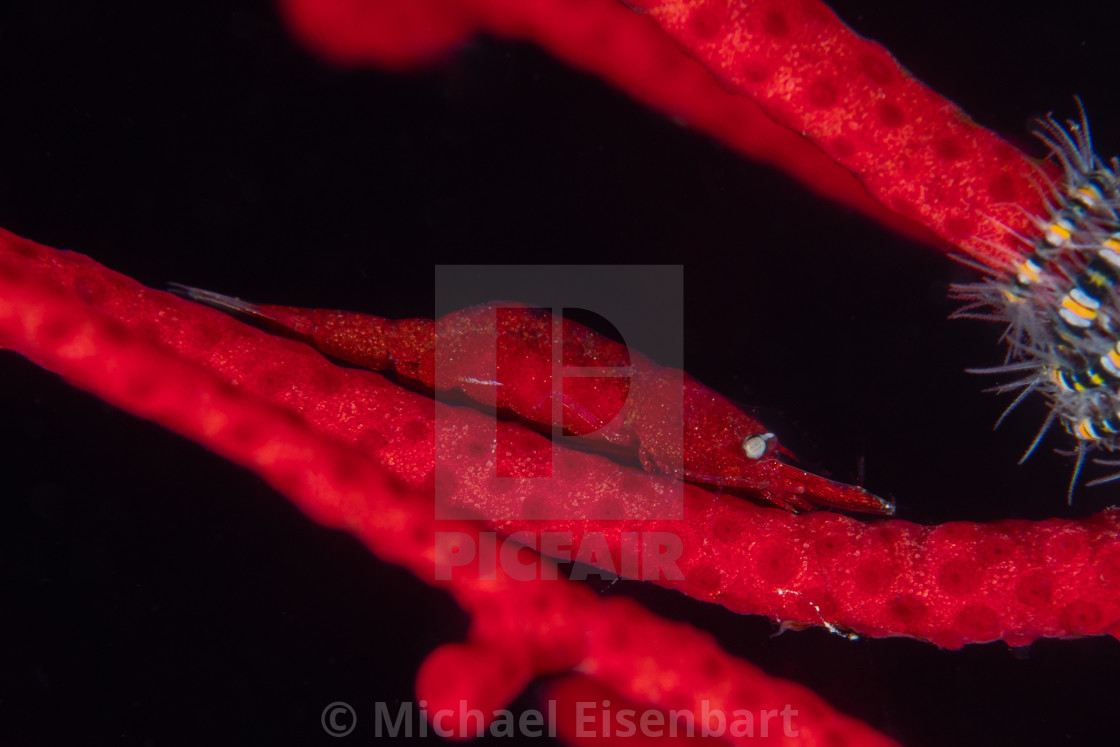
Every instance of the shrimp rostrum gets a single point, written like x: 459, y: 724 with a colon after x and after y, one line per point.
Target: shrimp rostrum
x: 501, y: 355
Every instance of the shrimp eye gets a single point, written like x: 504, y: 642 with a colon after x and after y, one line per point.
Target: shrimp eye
x: 758, y: 445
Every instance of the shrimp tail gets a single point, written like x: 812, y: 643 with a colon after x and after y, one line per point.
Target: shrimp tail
x: 501, y: 355
x: 228, y: 304
x: 281, y: 320
x: 361, y: 339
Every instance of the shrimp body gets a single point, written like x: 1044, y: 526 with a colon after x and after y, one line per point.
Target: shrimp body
x: 501, y: 355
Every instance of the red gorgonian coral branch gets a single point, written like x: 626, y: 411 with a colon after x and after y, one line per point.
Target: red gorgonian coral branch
x: 914, y: 151
x: 603, y: 37
x: 917, y: 153
x: 161, y: 358
x: 1082, y: 551
x: 807, y: 94
x: 952, y: 584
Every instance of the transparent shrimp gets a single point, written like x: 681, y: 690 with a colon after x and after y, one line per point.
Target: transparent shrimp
x: 717, y: 444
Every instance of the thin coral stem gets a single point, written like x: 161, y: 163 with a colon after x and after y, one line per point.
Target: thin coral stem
x: 915, y: 151
x: 952, y: 584
x: 63, y: 311
x: 793, y: 86
x: 609, y: 39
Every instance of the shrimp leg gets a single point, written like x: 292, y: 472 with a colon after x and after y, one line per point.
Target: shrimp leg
x: 717, y: 444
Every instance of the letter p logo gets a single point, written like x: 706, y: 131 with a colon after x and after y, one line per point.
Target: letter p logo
x: 560, y: 378
x: 567, y: 379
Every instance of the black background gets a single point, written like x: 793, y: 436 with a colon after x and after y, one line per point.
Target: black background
x: 155, y: 594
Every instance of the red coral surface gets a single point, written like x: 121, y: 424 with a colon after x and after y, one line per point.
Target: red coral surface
x: 608, y: 39
x: 952, y: 584
x: 932, y: 443
x: 199, y: 373
x: 914, y: 151
x: 797, y: 70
